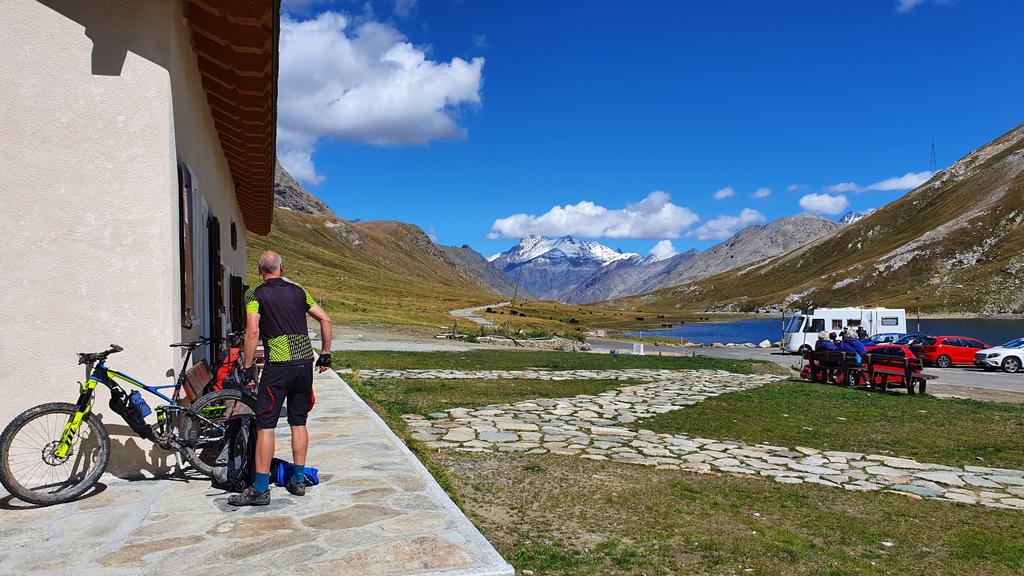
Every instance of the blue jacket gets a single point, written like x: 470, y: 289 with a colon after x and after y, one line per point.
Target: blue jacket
x: 826, y: 344
x: 853, y: 345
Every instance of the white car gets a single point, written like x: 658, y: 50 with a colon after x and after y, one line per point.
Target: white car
x: 1009, y: 357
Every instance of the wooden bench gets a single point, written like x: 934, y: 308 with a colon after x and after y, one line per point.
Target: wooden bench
x: 883, y: 372
x: 839, y: 368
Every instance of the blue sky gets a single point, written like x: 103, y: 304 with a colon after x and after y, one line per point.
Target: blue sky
x: 477, y: 120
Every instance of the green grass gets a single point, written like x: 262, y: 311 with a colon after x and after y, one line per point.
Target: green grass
x: 517, y: 360
x: 944, y: 431
x: 422, y: 396
x: 569, y: 516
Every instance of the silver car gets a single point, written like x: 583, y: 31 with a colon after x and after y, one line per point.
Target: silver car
x: 1009, y: 357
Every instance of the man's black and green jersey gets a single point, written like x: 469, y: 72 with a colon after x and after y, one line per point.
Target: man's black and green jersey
x: 282, y: 306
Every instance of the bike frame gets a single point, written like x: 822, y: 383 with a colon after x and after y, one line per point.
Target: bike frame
x: 102, y: 374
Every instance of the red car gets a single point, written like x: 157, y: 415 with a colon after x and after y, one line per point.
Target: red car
x: 945, y: 351
x: 894, y: 350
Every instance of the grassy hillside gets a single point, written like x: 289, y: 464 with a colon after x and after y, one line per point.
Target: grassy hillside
x: 369, y: 272
x: 955, y: 244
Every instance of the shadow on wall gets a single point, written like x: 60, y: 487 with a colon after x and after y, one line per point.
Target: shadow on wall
x: 117, y: 27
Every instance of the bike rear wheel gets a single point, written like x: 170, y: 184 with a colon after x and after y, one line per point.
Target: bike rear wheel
x: 29, y: 467
x: 202, y: 428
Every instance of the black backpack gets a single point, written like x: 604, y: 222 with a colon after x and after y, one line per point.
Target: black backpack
x: 234, y: 469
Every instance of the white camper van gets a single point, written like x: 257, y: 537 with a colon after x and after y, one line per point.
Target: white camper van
x: 801, y: 331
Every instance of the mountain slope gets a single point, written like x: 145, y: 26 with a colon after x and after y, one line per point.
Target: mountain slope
x: 472, y: 262
x: 624, y: 278
x: 290, y: 195
x: 954, y: 244
x: 380, y: 272
x: 754, y: 243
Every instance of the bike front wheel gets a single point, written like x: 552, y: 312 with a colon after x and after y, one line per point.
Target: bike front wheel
x: 202, y: 429
x: 29, y: 465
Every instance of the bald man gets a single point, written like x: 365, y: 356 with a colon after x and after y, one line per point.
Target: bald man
x: 276, y: 312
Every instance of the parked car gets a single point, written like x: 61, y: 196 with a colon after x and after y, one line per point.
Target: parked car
x: 910, y: 339
x: 1009, y: 357
x: 887, y: 338
x: 893, y: 350
x: 945, y: 351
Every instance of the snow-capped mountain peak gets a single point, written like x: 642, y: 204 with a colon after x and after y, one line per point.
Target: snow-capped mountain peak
x: 851, y: 217
x: 536, y: 246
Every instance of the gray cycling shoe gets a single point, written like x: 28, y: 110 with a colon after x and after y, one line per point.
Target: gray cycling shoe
x: 296, y: 488
x: 250, y: 498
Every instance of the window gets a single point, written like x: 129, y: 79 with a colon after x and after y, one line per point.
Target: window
x: 837, y: 324
x: 795, y: 324
x: 234, y: 236
x: 186, y: 218
x: 851, y: 323
x: 890, y: 321
x: 815, y: 325
x: 973, y: 344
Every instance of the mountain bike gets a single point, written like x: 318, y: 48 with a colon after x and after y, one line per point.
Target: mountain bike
x: 55, y: 452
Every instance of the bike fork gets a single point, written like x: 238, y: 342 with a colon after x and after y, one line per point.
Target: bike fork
x: 67, y: 438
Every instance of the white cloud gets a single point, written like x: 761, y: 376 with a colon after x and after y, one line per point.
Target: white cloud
x: 363, y: 83
x: 432, y: 234
x: 904, y: 6
x: 653, y: 217
x: 842, y: 187
x: 761, y: 193
x: 795, y: 187
x: 908, y: 181
x: 724, y: 193
x: 824, y: 203
x: 725, y: 226
x: 663, y: 250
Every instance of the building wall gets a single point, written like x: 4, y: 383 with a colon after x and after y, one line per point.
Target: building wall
x: 99, y: 101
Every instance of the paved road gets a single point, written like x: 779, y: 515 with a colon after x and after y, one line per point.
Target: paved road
x: 470, y: 313
x: 948, y: 378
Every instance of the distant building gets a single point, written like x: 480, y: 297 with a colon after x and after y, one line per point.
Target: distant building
x: 136, y: 149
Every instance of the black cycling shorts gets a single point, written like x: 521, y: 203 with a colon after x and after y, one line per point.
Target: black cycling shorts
x: 281, y: 382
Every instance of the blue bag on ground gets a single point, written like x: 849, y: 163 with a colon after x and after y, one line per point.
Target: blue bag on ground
x: 281, y: 473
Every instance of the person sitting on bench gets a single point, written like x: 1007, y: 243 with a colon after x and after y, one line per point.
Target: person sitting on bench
x: 851, y: 344
x: 825, y: 343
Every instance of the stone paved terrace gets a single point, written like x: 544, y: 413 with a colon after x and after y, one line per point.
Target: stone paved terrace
x: 377, y: 511
x: 590, y: 426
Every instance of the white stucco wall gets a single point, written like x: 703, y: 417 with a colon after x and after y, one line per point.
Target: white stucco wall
x: 88, y: 164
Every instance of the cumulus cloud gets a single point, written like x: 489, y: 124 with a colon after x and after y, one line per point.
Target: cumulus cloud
x: 653, y: 217
x: 724, y: 193
x: 725, y: 226
x: 761, y: 193
x: 904, y: 6
x: 795, y: 188
x: 663, y: 250
x: 363, y: 83
x: 432, y: 234
x: 908, y: 181
x: 824, y: 203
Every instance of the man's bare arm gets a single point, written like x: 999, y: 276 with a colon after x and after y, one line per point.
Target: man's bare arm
x: 325, y: 328
x: 252, y: 336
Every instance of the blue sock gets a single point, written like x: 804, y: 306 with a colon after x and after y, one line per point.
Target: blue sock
x: 298, y: 473
x: 262, y: 483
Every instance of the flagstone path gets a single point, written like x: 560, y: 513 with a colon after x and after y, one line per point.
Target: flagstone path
x: 590, y: 426
x: 377, y: 511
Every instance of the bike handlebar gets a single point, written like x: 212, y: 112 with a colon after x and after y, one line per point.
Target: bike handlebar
x: 86, y: 357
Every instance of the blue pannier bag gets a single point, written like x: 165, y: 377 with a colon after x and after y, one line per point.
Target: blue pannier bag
x: 281, y: 473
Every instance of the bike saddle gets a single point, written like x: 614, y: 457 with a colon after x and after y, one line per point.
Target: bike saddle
x: 191, y: 345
